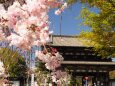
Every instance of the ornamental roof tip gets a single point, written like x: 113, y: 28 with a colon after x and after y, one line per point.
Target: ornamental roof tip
x: 67, y: 40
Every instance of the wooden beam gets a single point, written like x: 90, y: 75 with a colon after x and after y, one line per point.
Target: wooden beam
x: 88, y: 63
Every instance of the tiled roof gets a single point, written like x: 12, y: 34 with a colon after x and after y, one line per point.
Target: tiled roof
x: 72, y: 41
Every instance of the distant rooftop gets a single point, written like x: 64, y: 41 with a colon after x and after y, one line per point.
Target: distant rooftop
x: 65, y: 40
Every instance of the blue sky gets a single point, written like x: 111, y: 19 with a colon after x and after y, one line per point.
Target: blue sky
x: 70, y: 24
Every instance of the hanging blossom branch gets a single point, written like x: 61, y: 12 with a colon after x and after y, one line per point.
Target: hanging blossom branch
x: 52, y: 60
x: 28, y: 23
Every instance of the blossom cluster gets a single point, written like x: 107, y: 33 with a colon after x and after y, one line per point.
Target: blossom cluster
x: 28, y: 23
x: 60, y: 10
x: 53, y: 61
x: 59, y: 76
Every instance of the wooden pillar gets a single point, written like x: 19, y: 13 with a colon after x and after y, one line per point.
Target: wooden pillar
x: 107, y: 79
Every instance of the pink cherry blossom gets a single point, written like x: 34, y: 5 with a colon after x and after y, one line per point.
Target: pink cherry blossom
x: 33, y: 20
x: 3, y: 12
x: 41, y: 56
x: 57, y: 12
x: 54, y: 61
x: 13, y: 14
x: 57, y: 75
x: 29, y: 25
x: 60, y: 10
x: 44, y: 35
x: 23, y: 42
x: 51, y: 61
x: 29, y: 21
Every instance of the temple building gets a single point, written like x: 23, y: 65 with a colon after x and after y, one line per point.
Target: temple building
x: 86, y: 68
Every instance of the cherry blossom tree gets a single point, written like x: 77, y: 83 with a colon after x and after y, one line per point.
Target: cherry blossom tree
x: 28, y: 23
x: 25, y: 25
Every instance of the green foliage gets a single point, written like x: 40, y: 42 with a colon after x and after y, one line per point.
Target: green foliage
x: 91, y: 3
x: 102, y: 34
x: 41, y: 73
x: 71, y: 1
x: 112, y: 74
x: 41, y: 67
x: 14, y: 64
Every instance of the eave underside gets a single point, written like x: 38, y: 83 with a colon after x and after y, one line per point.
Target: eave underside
x: 88, y: 66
